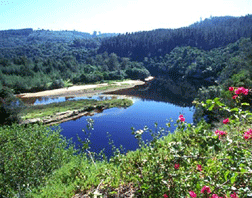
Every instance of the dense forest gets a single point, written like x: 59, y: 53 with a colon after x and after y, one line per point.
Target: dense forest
x: 216, y: 50
x: 211, y: 33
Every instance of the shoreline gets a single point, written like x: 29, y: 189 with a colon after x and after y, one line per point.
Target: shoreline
x: 61, y: 114
x: 88, y: 90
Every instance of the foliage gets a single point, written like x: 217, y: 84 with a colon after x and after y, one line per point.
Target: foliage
x: 211, y: 33
x: 10, y: 107
x: 185, y: 163
x: 28, y: 155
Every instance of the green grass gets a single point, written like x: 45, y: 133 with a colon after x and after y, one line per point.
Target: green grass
x: 39, y: 111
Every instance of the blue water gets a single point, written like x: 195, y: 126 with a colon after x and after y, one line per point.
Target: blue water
x: 118, y: 122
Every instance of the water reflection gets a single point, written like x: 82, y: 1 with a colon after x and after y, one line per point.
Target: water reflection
x: 177, y: 91
x: 48, y: 100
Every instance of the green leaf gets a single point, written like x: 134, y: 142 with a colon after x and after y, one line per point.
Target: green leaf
x: 233, y: 178
x: 211, y: 108
x: 235, y: 109
x: 245, y: 104
x: 226, y: 174
x: 209, y: 101
x: 216, y: 99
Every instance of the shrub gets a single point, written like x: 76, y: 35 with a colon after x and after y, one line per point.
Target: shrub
x: 28, y: 155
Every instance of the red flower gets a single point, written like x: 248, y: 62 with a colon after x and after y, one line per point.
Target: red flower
x: 248, y: 134
x: 165, y: 196
x: 226, y: 121
x: 241, y: 90
x: 245, y: 91
x: 235, y: 96
x: 176, y: 166
x: 199, y: 167
x: 181, y: 118
x: 192, y: 194
x: 205, y: 188
x: 234, y: 195
x: 231, y: 88
x: 222, y: 133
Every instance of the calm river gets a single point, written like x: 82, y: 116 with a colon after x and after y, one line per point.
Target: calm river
x: 154, y: 102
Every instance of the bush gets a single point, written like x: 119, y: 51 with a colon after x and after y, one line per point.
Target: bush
x: 59, y: 83
x: 10, y: 106
x: 136, y: 73
x: 28, y: 154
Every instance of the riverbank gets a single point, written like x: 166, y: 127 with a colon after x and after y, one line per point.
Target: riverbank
x: 88, y: 90
x: 56, y: 113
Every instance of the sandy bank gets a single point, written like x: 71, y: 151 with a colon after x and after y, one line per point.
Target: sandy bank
x: 85, y: 89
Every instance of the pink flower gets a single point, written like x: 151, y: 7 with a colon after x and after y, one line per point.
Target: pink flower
x: 231, y: 88
x: 199, y: 167
x: 217, y: 132
x: 205, y: 189
x: 181, y: 118
x: 226, y: 121
x: 241, y: 90
x: 245, y: 91
x: 192, y: 194
x: 176, y: 166
x: 248, y: 134
x: 235, y: 96
x: 165, y: 196
x: 220, y: 133
x: 234, y: 195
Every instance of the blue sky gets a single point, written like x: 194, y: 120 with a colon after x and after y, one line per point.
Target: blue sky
x: 118, y: 16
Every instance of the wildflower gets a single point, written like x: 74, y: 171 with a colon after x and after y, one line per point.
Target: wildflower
x: 241, y: 90
x: 245, y: 91
x: 176, y: 166
x: 226, y: 121
x: 220, y: 133
x: 199, y: 167
x: 248, y: 134
x: 205, y: 189
x: 139, y: 132
x: 165, y: 196
x: 181, y: 118
x: 231, y: 88
x: 192, y: 194
x: 235, y: 96
x: 234, y: 195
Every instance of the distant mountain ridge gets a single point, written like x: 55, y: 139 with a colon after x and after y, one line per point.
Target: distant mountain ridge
x: 17, y: 37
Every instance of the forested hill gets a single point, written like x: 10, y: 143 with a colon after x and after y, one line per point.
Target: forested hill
x: 208, y: 34
x: 28, y: 36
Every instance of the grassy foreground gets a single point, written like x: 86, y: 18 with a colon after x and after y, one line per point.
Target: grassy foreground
x: 194, y: 161
x: 39, y: 111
